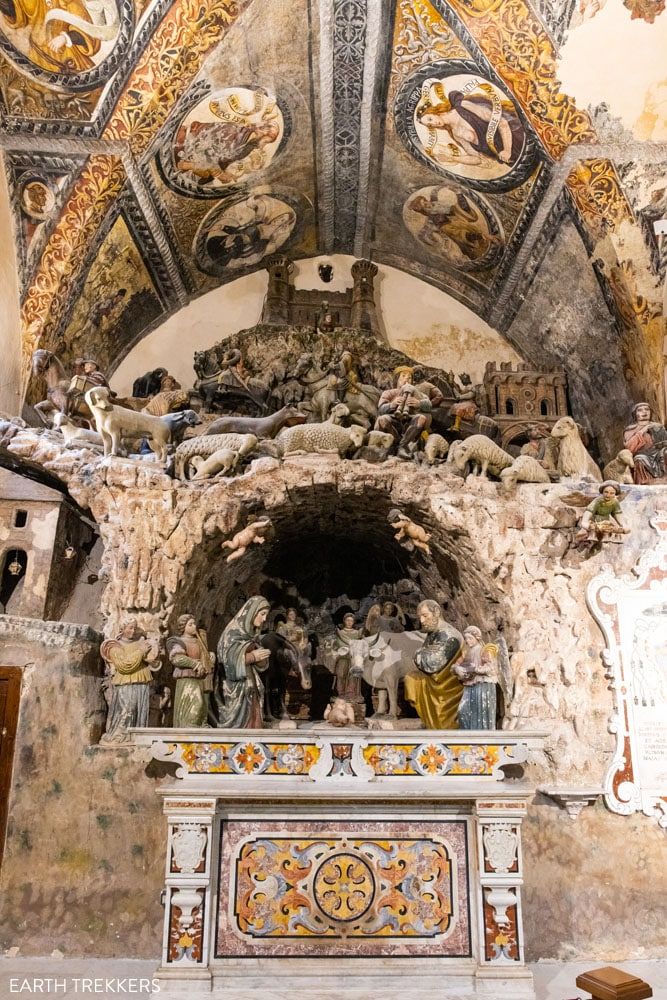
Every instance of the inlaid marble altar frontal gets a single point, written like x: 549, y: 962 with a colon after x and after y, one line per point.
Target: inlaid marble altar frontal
x: 329, y: 887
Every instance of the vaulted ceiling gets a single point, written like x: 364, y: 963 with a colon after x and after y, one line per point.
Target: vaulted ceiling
x: 158, y: 148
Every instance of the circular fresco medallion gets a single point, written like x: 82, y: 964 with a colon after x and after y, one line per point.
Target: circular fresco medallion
x: 37, y: 199
x: 223, y: 139
x: 459, y: 123
x: 66, y: 44
x: 236, y: 235
x: 455, y: 224
x: 344, y: 887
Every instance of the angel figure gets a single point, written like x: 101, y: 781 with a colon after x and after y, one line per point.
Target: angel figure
x: 484, y: 666
x: 385, y: 617
x: 601, y: 521
x: 252, y: 534
x: 408, y: 534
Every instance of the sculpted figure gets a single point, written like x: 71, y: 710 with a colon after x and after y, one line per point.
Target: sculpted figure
x: 647, y: 440
x: 339, y: 713
x: 325, y: 320
x: 293, y: 630
x: 602, y: 519
x: 252, y: 534
x: 538, y: 435
x: 218, y: 464
x: 193, y: 672
x: 573, y: 459
x: 148, y: 384
x: 408, y: 534
x: 434, y: 689
x: 115, y: 423
x: 239, y: 694
x: 386, y: 617
x: 479, y: 674
x: 131, y: 659
x: 347, y: 686
x: 405, y: 410
x: 620, y: 468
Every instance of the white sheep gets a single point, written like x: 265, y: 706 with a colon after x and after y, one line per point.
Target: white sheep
x: 524, y: 469
x: 75, y: 436
x: 116, y: 422
x: 436, y: 447
x: 205, y: 445
x: 482, y: 454
x: 573, y: 459
x: 380, y: 439
x: 314, y: 438
x: 221, y: 462
x: 618, y: 470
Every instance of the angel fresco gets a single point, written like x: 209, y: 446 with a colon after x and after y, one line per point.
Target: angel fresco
x: 226, y: 137
x: 61, y: 36
x: 467, y: 123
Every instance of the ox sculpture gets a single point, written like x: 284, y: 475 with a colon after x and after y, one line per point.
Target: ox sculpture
x: 383, y: 661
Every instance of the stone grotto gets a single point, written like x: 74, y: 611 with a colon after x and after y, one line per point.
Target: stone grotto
x: 333, y: 493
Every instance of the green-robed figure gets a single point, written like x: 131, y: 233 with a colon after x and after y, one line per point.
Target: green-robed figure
x: 238, y: 698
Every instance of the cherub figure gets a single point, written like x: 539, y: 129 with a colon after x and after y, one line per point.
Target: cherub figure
x: 252, y: 534
x: 339, y: 712
x: 408, y: 534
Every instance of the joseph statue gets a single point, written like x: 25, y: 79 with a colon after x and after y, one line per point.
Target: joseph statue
x: 434, y: 689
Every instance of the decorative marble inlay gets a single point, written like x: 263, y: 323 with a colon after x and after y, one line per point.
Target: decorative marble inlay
x: 344, y: 887
x: 250, y: 757
x: 431, y: 759
x: 307, y: 887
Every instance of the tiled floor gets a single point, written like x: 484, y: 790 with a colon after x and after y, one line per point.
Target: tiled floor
x: 30, y: 977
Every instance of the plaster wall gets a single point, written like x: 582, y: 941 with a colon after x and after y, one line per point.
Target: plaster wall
x: 10, y: 326
x: 619, y: 60
x: 556, y: 328
x: 84, y: 851
x: 418, y: 318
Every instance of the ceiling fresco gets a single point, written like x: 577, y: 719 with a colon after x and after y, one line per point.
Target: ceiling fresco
x: 156, y: 149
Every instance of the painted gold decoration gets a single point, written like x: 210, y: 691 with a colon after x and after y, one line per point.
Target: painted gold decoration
x: 98, y: 185
x: 422, y: 36
x: 597, y: 193
x: 511, y: 36
x: 186, y: 35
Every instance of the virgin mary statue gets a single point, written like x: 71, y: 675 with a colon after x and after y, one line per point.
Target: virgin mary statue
x: 239, y: 694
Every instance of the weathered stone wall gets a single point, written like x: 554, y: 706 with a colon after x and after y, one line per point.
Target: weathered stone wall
x: 498, y: 560
x: 84, y: 854
x: 556, y: 328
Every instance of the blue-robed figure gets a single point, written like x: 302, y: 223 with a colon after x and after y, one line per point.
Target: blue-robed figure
x: 238, y: 698
x: 478, y: 673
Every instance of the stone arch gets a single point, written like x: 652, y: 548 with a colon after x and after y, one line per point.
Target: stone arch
x: 331, y: 537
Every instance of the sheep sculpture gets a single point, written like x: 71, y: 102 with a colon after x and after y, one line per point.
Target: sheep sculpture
x: 75, y: 436
x: 524, y: 469
x: 323, y: 437
x: 221, y: 462
x: 619, y: 470
x: 116, y: 423
x: 435, y: 448
x: 205, y: 445
x: 482, y: 455
x: 573, y: 459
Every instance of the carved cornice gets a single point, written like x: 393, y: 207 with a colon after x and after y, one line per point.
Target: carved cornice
x: 61, y: 635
